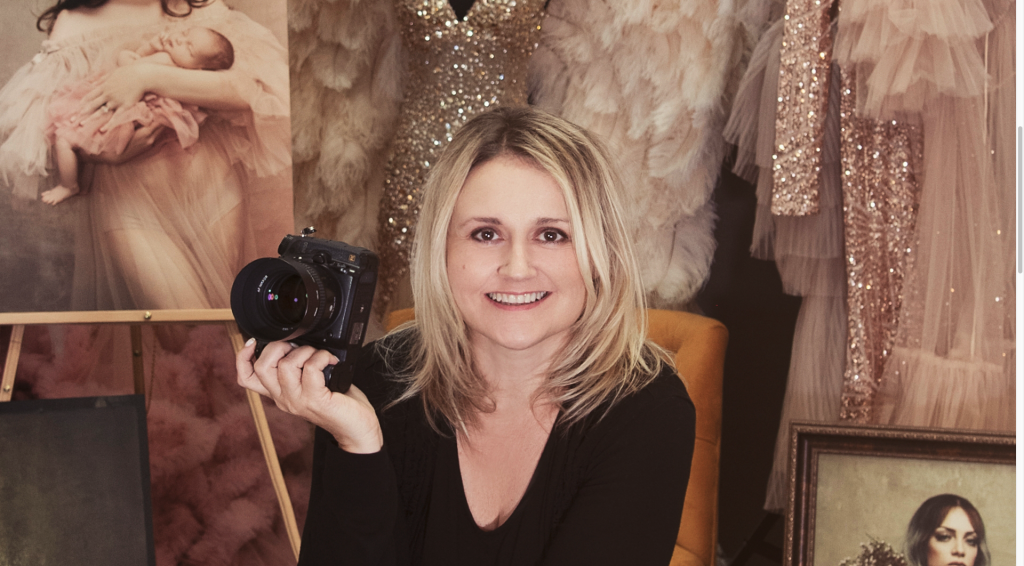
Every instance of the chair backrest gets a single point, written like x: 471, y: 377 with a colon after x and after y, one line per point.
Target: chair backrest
x: 699, y: 346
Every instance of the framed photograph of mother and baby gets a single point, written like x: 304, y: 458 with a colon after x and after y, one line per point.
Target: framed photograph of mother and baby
x: 122, y: 191
x: 883, y: 496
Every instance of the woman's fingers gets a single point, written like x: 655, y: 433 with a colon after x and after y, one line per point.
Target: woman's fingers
x: 92, y: 103
x: 244, y: 369
x: 120, y: 89
x: 270, y: 370
x: 301, y: 379
x: 313, y: 380
x: 293, y: 378
x: 113, y: 115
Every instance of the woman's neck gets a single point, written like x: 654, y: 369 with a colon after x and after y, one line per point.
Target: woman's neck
x: 514, y: 383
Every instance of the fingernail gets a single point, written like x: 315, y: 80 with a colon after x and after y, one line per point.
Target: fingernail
x: 250, y: 342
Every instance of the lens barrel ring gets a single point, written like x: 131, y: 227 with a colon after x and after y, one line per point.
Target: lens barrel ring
x: 259, y: 283
x: 313, y: 315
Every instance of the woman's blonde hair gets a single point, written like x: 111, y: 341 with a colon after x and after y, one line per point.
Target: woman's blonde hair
x: 607, y: 356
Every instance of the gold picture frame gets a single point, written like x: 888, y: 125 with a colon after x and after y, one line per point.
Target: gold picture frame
x: 854, y: 489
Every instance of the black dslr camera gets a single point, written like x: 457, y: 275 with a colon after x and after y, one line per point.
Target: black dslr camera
x: 318, y: 293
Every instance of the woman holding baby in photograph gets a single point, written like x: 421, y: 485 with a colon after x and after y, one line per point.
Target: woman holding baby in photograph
x: 170, y: 119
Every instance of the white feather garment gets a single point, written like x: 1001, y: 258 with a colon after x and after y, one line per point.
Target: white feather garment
x: 652, y: 78
x: 346, y: 65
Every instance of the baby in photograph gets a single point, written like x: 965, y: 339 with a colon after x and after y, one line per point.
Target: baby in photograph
x: 105, y: 131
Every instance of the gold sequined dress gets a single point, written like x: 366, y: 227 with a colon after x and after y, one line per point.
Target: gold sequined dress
x: 456, y: 69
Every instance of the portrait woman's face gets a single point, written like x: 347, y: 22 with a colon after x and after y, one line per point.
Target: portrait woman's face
x: 954, y: 542
x: 511, y: 262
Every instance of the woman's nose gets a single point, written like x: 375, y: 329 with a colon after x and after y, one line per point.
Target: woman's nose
x: 517, y: 262
x: 958, y: 547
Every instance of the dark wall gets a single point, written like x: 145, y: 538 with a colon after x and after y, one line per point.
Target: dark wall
x: 746, y: 295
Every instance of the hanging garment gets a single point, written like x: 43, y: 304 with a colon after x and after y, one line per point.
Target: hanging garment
x: 948, y: 64
x: 654, y: 80
x: 456, y: 69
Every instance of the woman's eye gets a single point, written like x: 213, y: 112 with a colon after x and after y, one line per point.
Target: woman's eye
x: 553, y: 236
x: 971, y: 541
x: 484, y: 235
x: 943, y: 537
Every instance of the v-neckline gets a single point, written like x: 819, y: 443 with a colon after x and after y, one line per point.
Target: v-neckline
x: 464, y: 501
x: 469, y: 11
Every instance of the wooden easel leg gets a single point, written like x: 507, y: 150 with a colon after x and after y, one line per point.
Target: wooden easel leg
x: 269, y: 453
x: 138, y: 367
x: 11, y: 366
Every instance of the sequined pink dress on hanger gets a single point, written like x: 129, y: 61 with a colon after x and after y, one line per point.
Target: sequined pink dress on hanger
x: 950, y: 65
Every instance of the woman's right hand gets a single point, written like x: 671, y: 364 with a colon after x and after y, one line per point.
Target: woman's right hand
x: 293, y: 377
x: 142, y: 141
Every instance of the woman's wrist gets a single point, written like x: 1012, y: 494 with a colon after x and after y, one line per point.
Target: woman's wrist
x: 148, y: 75
x: 365, y: 444
x: 368, y: 439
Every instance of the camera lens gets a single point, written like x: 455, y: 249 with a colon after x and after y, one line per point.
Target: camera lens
x: 283, y: 298
x: 286, y: 300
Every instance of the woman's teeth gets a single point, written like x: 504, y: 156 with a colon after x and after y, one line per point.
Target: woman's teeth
x: 527, y: 298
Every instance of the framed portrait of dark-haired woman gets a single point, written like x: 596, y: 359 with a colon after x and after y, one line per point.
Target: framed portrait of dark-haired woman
x: 145, y: 155
x: 884, y: 496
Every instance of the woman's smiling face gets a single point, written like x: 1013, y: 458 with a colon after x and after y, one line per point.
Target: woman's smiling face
x: 511, y: 262
x: 954, y: 541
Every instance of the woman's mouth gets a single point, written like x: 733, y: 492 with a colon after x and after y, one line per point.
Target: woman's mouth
x: 517, y: 299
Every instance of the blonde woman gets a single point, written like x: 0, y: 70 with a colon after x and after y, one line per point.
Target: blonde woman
x: 523, y: 418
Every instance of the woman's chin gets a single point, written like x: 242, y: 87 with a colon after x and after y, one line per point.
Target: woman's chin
x: 511, y: 339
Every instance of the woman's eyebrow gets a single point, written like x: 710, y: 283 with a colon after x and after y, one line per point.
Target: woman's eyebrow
x: 482, y: 220
x: 952, y: 530
x: 541, y: 221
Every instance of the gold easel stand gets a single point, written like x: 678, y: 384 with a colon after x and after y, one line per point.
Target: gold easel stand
x: 17, y: 324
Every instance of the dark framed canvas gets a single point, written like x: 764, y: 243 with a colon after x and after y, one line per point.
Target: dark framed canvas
x: 853, y: 490
x: 164, y: 231
x: 74, y: 482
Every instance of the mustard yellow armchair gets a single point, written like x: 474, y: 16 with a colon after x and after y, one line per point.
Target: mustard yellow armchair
x: 699, y: 345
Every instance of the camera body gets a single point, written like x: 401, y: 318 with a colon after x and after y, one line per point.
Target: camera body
x: 317, y: 293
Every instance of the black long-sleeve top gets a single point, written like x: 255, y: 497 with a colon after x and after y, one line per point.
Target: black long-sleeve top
x: 605, y: 491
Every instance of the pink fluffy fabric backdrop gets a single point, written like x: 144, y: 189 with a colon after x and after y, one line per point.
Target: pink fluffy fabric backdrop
x: 213, y: 503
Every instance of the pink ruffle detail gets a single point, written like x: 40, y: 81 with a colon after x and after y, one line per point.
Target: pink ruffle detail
x: 905, y: 53
x: 88, y: 134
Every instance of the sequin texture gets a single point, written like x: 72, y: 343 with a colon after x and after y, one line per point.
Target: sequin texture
x: 880, y: 194
x: 804, y: 70
x: 456, y: 69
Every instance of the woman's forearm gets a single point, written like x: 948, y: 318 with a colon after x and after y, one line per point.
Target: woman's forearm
x: 209, y: 89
